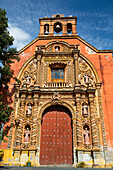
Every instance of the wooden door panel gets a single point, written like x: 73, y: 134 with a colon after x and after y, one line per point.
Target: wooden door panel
x: 56, y: 138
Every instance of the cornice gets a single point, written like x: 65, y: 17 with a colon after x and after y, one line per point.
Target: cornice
x: 63, y: 37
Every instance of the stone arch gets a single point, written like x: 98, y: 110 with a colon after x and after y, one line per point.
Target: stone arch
x: 24, y: 66
x: 63, y: 103
x: 56, y: 141
x: 57, y: 42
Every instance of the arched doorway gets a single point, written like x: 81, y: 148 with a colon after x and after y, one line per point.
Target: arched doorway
x: 56, y: 136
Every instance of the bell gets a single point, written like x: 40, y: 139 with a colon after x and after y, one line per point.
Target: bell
x: 58, y: 28
x: 46, y: 32
x: 69, y: 30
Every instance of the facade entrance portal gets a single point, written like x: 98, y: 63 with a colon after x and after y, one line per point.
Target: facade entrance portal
x: 56, y: 137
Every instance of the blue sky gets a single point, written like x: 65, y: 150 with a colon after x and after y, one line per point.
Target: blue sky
x: 94, y: 19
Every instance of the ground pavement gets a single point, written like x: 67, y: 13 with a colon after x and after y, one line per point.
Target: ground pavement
x: 50, y: 168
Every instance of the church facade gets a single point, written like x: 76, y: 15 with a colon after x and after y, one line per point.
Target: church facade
x: 63, y: 106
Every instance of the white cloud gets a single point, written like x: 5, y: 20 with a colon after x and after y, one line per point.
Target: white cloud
x: 21, y: 37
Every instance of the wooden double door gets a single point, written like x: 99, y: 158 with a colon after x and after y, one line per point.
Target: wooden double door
x: 56, y: 137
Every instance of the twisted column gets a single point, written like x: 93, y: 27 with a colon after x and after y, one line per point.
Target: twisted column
x: 79, y: 123
x: 34, y: 117
x: 74, y: 133
x: 19, y: 131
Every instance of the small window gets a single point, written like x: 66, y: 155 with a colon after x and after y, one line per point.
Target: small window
x: 57, y: 73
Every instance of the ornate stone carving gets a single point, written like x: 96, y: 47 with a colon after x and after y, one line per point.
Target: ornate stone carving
x: 56, y: 98
x: 94, y: 131
x: 85, y: 74
x: 86, y: 134
x: 27, y: 134
x: 79, y: 122
x: 25, y: 145
x: 101, y: 118
x: 29, y: 110
x: 87, y: 146
x: 29, y: 75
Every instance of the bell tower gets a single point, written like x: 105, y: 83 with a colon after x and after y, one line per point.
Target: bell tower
x: 58, y: 25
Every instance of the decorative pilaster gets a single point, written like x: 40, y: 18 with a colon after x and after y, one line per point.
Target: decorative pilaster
x: 13, y: 118
x: 19, y: 131
x: 75, y: 53
x: 38, y: 55
x: 74, y: 141
x: 79, y: 123
x: 101, y: 117
x: 93, y: 124
x: 74, y: 133
x: 34, y: 117
x: 38, y: 131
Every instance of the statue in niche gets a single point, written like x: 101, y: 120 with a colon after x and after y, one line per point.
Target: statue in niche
x: 29, y: 110
x: 86, y: 78
x: 27, y: 135
x: 28, y: 79
x: 85, y: 110
x: 86, y: 136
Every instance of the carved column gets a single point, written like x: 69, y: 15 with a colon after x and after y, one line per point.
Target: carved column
x: 38, y: 131
x: 101, y: 115
x: 79, y: 123
x: 105, y: 149
x: 11, y: 133
x: 38, y: 54
x: 74, y: 133
x: 74, y: 140
x: 38, y: 141
x: 34, y: 126
x: 94, y: 131
x: 76, y: 65
x: 19, y: 131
